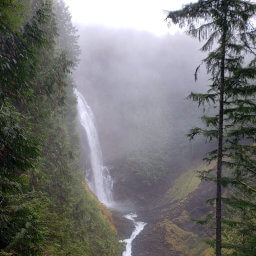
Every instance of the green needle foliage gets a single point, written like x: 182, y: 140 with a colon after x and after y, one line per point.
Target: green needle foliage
x: 226, y: 27
x: 45, y: 207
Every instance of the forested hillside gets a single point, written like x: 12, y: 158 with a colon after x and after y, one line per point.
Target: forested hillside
x: 45, y: 206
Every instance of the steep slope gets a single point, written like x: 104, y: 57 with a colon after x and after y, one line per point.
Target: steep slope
x: 46, y: 208
x: 171, y: 230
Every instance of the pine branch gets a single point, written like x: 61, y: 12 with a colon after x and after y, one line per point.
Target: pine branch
x: 247, y: 186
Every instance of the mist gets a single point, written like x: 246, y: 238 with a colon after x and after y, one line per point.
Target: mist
x: 136, y: 84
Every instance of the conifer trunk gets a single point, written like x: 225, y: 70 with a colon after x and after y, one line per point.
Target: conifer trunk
x: 220, y: 134
x: 219, y: 167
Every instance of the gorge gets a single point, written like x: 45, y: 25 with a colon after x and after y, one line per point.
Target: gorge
x: 99, y: 124
x: 142, y: 119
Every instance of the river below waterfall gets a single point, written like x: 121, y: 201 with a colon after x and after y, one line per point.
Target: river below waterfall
x: 138, y: 227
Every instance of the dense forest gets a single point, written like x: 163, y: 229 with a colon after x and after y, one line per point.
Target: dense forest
x: 172, y: 192
x: 46, y: 208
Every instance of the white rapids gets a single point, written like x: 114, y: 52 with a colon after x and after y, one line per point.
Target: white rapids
x: 101, y: 183
x: 139, y: 226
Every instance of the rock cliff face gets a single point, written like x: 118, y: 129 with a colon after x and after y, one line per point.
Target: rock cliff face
x: 171, y: 231
x: 168, y: 210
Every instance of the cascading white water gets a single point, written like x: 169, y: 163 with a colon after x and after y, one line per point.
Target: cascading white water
x: 139, y: 226
x: 101, y: 183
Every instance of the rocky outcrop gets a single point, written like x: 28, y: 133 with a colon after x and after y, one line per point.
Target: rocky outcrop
x: 170, y: 230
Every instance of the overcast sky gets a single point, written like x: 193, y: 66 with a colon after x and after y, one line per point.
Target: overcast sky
x: 138, y: 14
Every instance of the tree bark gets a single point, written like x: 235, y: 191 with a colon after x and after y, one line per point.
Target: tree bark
x: 220, y: 135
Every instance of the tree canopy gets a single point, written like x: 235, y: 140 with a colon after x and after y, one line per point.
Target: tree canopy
x: 46, y: 208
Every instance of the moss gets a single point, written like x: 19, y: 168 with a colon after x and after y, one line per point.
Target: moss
x: 186, y: 183
x: 175, y: 239
x: 208, y: 252
x: 183, y: 186
x: 183, y: 218
x: 176, y: 233
x: 106, y: 213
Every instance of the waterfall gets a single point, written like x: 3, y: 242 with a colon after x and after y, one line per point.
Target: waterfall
x: 100, y: 183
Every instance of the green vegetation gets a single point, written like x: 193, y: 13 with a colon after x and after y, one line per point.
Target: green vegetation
x: 45, y: 206
x: 183, y: 185
x: 175, y: 240
x: 182, y: 242
x: 147, y: 168
x: 229, y: 34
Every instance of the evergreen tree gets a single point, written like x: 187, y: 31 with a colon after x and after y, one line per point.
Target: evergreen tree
x: 19, y: 151
x: 67, y: 39
x: 239, y: 226
x: 45, y: 207
x: 230, y: 35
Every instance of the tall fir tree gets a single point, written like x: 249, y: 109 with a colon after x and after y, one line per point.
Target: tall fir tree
x: 227, y: 28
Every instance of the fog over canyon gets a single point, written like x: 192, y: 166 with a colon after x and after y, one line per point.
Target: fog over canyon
x: 134, y: 87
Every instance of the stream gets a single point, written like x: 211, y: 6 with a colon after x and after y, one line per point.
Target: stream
x: 100, y: 182
x: 139, y: 226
